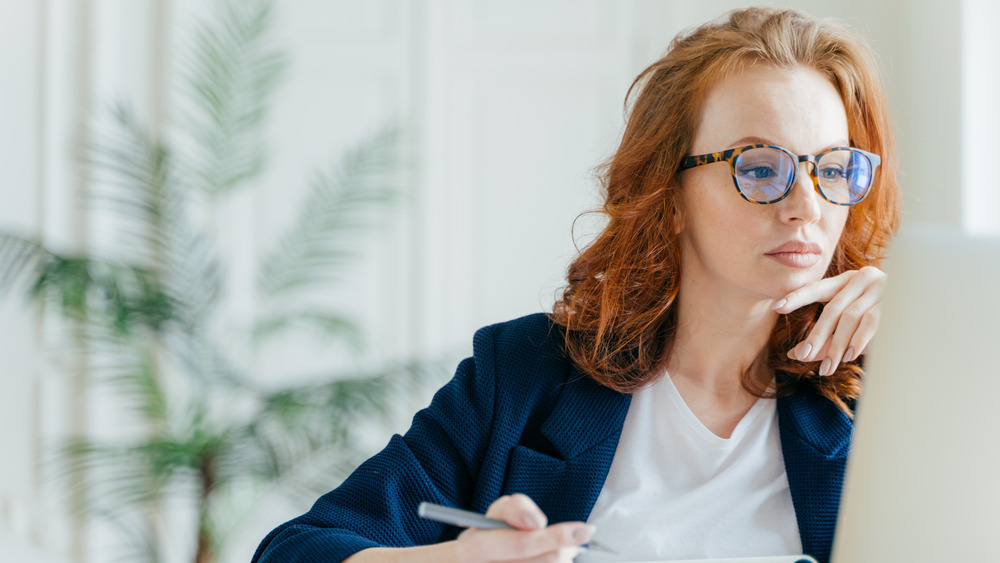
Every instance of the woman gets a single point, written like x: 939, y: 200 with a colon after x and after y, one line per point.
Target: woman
x: 648, y: 404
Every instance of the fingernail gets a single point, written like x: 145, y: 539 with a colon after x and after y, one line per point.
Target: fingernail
x: 825, y: 367
x: 805, y: 349
x: 849, y: 355
x: 534, y: 520
x: 779, y: 304
x: 583, y: 533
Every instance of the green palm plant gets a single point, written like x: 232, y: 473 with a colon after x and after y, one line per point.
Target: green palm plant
x: 207, y: 435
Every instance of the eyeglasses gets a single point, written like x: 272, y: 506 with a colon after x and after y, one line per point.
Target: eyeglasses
x: 766, y: 173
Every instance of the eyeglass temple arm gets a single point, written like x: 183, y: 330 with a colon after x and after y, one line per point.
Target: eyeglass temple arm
x: 698, y: 160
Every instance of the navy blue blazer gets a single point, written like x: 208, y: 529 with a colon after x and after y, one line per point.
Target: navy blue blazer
x: 519, y: 417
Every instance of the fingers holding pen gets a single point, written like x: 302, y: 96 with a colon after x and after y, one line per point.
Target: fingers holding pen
x: 519, y: 511
x: 531, y: 540
x: 554, y: 543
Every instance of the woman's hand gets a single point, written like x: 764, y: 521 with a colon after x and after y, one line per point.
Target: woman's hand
x: 532, y: 540
x: 849, y: 319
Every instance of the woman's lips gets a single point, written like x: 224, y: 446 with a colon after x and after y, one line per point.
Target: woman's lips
x: 796, y: 254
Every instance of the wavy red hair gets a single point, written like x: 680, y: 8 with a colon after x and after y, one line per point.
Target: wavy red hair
x: 617, y: 307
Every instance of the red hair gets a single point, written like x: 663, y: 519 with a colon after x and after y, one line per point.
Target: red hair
x: 617, y: 308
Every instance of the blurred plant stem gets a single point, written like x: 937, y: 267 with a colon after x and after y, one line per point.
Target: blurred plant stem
x: 146, y: 307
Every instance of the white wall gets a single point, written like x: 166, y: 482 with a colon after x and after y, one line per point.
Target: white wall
x: 980, y: 92
x: 20, y: 25
x: 511, y: 104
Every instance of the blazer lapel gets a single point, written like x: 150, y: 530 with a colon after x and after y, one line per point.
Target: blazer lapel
x: 584, y: 414
x: 815, y: 439
x: 583, y: 427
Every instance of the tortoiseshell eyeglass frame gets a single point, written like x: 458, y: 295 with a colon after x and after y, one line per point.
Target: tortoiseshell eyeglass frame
x: 731, y: 154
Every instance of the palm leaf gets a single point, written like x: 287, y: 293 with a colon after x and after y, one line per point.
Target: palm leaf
x: 140, y: 186
x: 140, y: 543
x: 231, y: 73
x: 304, y: 441
x: 192, y: 275
x: 134, y: 179
x: 123, y: 476
x: 342, y: 203
x: 20, y: 257
x: 328, y: 324
x: 111, y: 479
x: 129, y: 369
x: 81, y: 287
x: 296, y: 423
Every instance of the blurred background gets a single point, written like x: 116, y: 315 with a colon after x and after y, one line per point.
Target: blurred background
x: 346, y: 190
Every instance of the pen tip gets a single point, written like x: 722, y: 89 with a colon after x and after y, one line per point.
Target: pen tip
x: 600, y: 548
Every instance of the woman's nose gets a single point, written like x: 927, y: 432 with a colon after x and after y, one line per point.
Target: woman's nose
x: 803, y: 203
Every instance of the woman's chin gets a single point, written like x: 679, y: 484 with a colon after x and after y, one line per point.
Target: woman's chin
x: 793, y: 282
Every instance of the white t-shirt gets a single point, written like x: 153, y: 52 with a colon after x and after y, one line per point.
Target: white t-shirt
x: 678, y: 491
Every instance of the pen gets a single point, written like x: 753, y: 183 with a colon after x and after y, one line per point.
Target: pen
x: 469, y: 519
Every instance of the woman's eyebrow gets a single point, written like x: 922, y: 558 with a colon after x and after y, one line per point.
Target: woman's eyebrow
x: 752, y: 141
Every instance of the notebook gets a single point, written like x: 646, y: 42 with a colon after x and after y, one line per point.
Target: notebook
x: 779, y: 559
x: 923, y: 479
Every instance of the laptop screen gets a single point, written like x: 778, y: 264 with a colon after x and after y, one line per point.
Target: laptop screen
x: 923, y: 479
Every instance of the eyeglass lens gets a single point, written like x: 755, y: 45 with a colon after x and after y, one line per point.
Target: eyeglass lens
x: 765, y: 174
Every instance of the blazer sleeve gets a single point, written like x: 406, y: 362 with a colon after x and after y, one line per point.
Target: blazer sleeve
x: 437, y: 460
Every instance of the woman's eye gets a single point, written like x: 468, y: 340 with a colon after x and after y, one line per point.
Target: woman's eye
x: 758, y: 172
x: 831, y: 173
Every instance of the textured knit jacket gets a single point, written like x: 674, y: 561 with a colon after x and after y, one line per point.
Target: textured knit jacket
x: 518, y: 417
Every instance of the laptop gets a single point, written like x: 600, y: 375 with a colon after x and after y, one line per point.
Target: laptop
x: 923, y: 479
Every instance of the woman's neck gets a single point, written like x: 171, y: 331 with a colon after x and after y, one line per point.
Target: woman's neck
x: 716, y: 341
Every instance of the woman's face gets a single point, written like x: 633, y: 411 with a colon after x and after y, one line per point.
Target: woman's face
x: 730, y: 246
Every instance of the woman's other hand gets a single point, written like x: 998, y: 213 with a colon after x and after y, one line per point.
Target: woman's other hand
x: 849, y: 319
x: 532, y: 540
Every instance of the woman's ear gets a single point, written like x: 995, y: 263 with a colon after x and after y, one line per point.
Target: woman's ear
x: 676, y: 215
